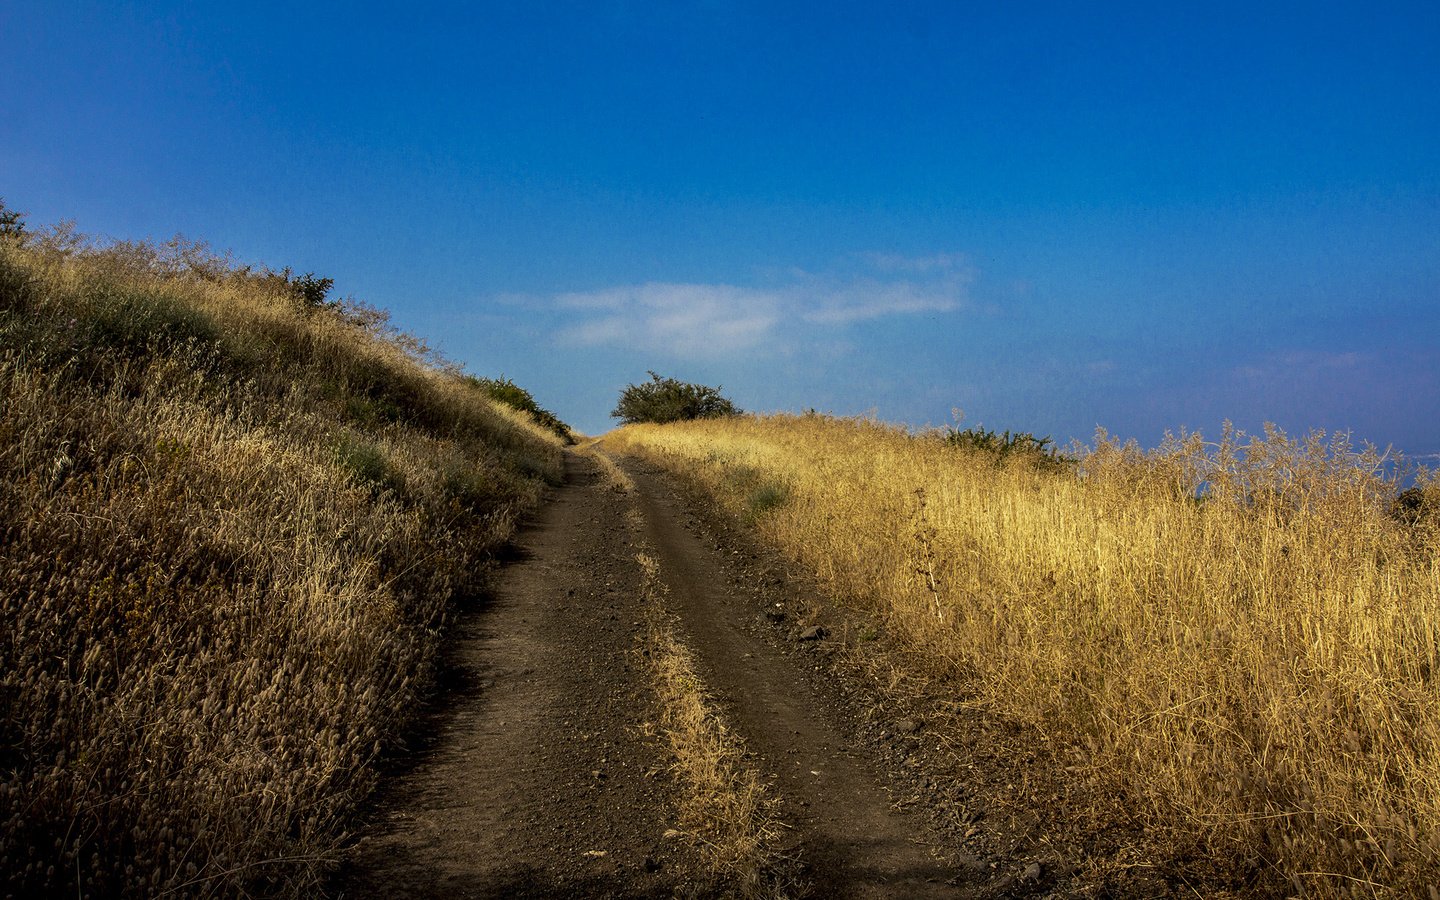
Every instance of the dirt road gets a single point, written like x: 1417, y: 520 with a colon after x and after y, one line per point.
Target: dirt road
x: 542, y: 775
x: 538, y: 781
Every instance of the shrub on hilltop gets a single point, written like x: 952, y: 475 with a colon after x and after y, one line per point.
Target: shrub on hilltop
x: 12, y: 222
x: 514, y: 396
x: 662, y: 400
x: 1004, y: 447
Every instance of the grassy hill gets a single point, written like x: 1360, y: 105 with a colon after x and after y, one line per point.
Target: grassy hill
x: 233, y: 515
x: 1239, y: 638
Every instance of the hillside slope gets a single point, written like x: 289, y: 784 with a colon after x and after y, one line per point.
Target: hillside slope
x: 232, y: 515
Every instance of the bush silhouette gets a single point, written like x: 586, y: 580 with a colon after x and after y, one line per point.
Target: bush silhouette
x: 662, y: 400
x: 516, y: 397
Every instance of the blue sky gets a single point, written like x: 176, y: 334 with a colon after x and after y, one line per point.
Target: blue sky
x: 1051, y: 216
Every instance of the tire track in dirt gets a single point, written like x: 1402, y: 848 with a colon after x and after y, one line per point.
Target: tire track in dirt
x: 535, y: 780
x: 845, y: 831
x: 536, y: 777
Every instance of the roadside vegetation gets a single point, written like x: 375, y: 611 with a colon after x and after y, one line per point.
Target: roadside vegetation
x: 1238, y: 636
x: 516, y: 397
x: 725, y: 809
x: 233, y: 512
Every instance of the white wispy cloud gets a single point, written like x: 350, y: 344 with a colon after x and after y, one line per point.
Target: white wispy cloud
x: 939, y: 262
x: 1301, y: 365
x: 724, y: 319
x: 690, y: 319
x: 874, y: 299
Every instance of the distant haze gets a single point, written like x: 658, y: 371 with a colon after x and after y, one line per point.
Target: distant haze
x: 1053, y: 216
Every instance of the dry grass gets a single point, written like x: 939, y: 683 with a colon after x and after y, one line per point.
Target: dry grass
x: 724, y: 806
x: 229, y: 530
x: 1257, y: 667
x: 615, y: 477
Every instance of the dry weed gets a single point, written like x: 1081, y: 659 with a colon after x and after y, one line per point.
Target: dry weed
x: 617, y: 478
x: 1239, y: 635
x: 229, y: 530
x: 724, y: 807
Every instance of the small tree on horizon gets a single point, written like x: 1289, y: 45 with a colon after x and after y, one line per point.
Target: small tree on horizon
x: 12, y: 222
x: 662, y: 400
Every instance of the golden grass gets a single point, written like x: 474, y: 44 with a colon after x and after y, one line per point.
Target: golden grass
x: 618, y: 480
x: 1258, y: 667
x: 229, y: 531
x: 725, y: 808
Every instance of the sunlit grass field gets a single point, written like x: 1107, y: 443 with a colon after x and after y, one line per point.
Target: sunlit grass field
x: 232, y: 518
x: 1240, y: 635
